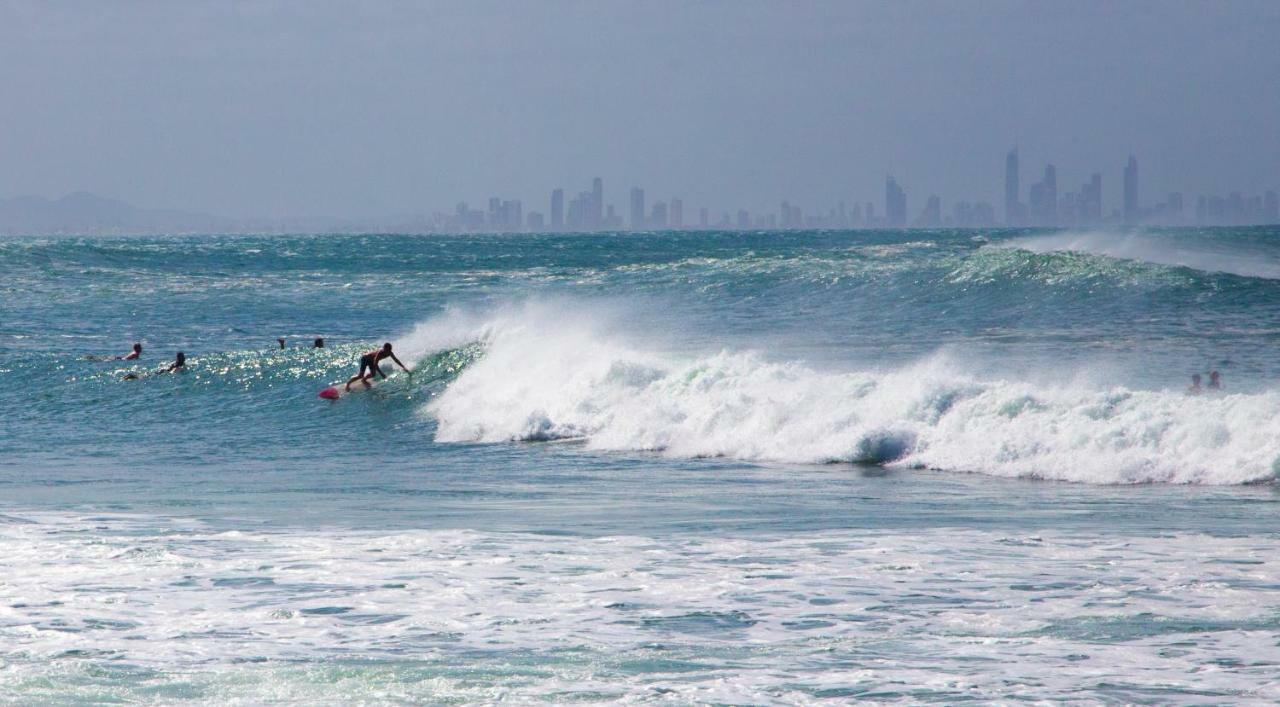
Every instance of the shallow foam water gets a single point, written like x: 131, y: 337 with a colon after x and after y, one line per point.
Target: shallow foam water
x: 735, y: 468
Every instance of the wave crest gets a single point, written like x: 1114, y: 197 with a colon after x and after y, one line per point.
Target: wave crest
x: 543, y: 378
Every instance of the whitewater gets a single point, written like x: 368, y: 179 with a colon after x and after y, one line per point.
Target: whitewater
x: 767, y: 468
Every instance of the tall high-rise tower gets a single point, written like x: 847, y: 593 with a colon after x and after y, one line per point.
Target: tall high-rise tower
x: 597, y: 203
x: 1012, y: 209
x: 557, y: 210
x: 1131, y: 213
x: 637, y: 209
x: 1050, y: 195
x: 895, y: 204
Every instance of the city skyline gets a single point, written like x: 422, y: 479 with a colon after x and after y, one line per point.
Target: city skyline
x: 391, y: 108
x: 1040, y: 204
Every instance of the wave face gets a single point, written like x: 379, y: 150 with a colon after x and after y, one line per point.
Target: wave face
x: 543, y: 378
x: 1018, y: 353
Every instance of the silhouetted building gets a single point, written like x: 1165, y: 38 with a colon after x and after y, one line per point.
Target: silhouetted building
x: 557, y: 209
x: 1271, y: 207
x: 931, y: 217
x: 658, y: 216
x: 597, y: 203
x: 535, y: 221
x: 637, y: 209
x: 1012, y: 208
x: 702, y: 218
x: 677, y: 214
x: 1131, y: 212
x: 895, y: 204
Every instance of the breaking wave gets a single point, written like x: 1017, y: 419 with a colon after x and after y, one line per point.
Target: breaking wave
x: 553, y: 371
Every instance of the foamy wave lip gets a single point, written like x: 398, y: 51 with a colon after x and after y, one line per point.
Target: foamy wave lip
x: 1148, y: 249
x: 544, y: 378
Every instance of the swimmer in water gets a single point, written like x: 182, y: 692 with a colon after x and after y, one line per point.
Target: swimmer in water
x: 1215, y: 381
x: 133, y: 355
x: 319, y: 343
x: 179, y: 364
x: 1195, y: 388
x: 281, y: 340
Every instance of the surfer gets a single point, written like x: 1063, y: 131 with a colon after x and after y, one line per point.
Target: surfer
x: 319, y: 343
x: 1195, y: 388
x: 133, y: 355
x: 369, y: 362
x: 281, y: 340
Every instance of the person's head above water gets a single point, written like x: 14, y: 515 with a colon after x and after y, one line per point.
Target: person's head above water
x: 281, y: 340
x: 386, y: 346
x: 180, y: 358
x: 1195, y: 379
x: 319, y: 343
x: 137, y: 348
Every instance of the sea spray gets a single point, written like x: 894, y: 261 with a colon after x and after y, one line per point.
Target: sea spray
x: 542, y: 377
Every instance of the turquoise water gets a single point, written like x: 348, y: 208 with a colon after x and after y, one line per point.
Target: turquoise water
x: 723, y: 467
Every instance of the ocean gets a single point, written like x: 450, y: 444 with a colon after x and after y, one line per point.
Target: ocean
x: 713, y: 467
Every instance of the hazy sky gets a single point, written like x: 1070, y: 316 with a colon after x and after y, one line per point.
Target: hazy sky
x: 323, y: 109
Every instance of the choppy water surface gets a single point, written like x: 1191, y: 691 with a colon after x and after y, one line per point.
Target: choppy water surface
x: 769, y: 467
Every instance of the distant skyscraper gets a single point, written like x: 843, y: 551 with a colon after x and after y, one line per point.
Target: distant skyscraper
x: 597, y: 203
x: 895, y: 204
x: 557, y: 209
x: 931, y: 217
x: 1012, y: 209
x: 1271, y: 207
x: 1050, y: 195
x: 1093, y: 199
x: 702, y: 217
x: 677, y: 214
x: 658, y: 217
x: 637, y: 209
x: 1131, y: 213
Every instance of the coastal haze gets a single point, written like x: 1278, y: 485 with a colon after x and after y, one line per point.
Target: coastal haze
x: 323, y: 116
x: 758, y: 353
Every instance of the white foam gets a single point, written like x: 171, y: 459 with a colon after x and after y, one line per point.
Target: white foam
x: 116, y: 608
x: 549, y: 374
x: 1151, y: 249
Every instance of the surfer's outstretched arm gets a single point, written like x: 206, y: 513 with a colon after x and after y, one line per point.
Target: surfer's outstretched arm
x: 401, y: 365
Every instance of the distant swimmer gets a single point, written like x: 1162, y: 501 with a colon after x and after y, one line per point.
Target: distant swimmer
x: 1215, y: 381
x: 179, y: 364
x: 369, y: 362
x: 1195, y: 388
x: 281, y: 340
x: 133, y: 355
x: 319, y: 343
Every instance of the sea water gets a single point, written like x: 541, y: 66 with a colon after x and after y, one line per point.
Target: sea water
x: 769, y: 467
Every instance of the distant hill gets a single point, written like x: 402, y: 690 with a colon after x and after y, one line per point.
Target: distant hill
x: 87, y: 213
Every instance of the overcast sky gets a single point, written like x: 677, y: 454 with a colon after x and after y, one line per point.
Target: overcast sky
x: 312, y: 108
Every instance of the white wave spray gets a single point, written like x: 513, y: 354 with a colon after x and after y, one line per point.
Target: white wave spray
x: 1150, y: 249
x: 554, y: 371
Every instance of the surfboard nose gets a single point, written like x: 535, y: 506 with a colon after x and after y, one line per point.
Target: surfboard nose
x: 330, y: 393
